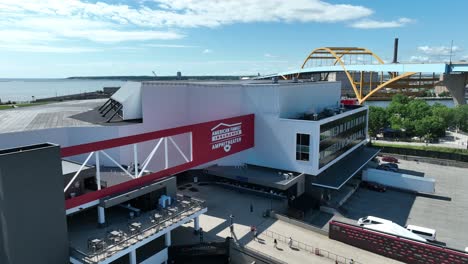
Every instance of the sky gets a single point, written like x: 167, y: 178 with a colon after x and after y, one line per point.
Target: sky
x: 62, y: 38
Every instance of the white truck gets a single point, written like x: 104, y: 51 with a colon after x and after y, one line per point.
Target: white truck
x: 400, y: 180
x: 387, y: 226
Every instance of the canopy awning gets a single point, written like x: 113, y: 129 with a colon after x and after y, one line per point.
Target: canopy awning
x: 339, y: 173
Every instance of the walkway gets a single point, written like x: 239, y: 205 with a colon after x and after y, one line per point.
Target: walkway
x: 313, y: 239
x: 459, y: 141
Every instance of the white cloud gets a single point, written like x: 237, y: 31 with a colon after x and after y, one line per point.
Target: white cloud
x: 206, y: 51
x: 436, y: 54
x: 420, y: 59
x: 189, y: 13
x: 53, y: 21
x: 110, y: 35
x: 169, y: 46
x: 50, y: 29
x: 268, y: 55
x: 375, y: 24
x: 46, y: 49
x: 438, y: 50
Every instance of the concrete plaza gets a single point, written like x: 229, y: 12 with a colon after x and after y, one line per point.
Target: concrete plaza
x: 223, y: 202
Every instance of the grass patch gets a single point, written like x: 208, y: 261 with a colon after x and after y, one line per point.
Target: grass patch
x: 5, y: 107
x: 427, y: 148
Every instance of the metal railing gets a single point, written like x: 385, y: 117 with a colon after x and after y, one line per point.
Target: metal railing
x: 168, y: 218
x: 311, y: 249
x: 253, y: 253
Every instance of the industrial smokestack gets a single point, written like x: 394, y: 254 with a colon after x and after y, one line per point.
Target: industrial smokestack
x: 395, y: 51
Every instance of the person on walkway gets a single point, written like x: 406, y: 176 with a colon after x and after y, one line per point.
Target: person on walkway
x: 290, y: 242
x: 351, y: 261
x: 275, y: 243
x: 255, y: 234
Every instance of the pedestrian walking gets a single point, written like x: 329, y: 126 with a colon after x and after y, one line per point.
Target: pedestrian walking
x: 255, y: 234
x: 275, y: 243
x: 290, y: 241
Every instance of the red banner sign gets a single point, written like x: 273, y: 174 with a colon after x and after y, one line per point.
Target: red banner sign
x: 210, y: 141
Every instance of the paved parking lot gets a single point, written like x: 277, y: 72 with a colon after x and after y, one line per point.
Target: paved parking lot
x: 446, y: 212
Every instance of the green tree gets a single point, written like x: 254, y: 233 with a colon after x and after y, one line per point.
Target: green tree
x: 461, y: 117
x: 444, y: 114
x: 417, y: 109
x: 429, y: 127
x: 400, y: 99
x: 398, y: 110
x: 378, y: 119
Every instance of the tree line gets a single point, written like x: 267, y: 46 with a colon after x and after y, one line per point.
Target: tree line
x: 416, y: 118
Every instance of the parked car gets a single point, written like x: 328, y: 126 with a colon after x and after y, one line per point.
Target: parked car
x: 389, y: 159
x: 388, y: 167
x: 374, y: 186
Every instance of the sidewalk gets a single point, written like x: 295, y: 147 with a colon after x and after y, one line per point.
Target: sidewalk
x: 315, y: 240
x: 283, y: 252
x: 457, y: 144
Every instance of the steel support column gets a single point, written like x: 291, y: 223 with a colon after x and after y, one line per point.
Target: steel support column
x: 135, y: 159
x: 132, y: 257
x: 196, y: 223
x: 167, y: 237
x: 101, y: 216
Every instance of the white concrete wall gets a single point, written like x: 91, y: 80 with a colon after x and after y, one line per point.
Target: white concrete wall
x: 129, y: 95
x: 296, y: 99
x: 168, y: 105
x: 275, y: 143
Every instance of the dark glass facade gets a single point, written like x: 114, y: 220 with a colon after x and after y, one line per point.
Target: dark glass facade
x: 336, y: 137
x: 302, y: 147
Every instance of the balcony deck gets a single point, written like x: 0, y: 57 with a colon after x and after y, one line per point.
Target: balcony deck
x: 119, y: 236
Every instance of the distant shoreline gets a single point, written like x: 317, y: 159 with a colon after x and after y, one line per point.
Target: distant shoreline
x: 157, y: 78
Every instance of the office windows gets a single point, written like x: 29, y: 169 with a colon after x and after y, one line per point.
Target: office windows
x: 338, y: 136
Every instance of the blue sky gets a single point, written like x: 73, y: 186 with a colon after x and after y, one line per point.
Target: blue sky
x: 58, y: 38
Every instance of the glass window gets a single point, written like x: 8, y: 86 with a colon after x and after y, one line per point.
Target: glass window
x: 338, y: 136
x: 302, y: 147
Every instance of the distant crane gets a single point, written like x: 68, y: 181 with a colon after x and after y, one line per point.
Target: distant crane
x: 155, y: 74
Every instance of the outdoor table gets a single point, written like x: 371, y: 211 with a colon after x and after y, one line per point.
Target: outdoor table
x: 157, y: 215
x: 136, y: 225
x: 115, y: 233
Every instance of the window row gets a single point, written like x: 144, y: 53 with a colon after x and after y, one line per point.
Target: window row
x: 342, y: 144
x: 340, y: 128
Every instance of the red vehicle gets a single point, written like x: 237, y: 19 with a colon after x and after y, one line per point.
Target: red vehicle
x: 389, y: 159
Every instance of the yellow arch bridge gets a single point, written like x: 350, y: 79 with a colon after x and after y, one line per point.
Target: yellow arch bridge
x: 367, y: 73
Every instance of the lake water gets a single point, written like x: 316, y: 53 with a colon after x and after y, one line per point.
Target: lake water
x: 446, y: 102
x: 21, y: 90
